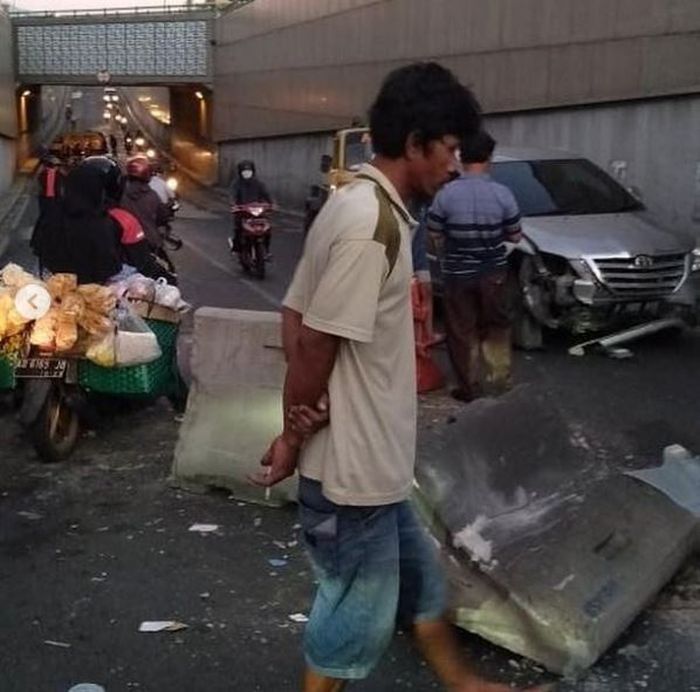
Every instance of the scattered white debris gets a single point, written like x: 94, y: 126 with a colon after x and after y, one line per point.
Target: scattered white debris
x: 60, y: 645
x: 162, y: 626
x: 31, y: 516
x: 564, y: 582
x: 204, y: 528
x: 257, y: 522
x: 298, y: 617
x: 471, y: 540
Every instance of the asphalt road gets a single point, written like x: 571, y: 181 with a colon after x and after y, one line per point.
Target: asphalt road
x: 94, y: 546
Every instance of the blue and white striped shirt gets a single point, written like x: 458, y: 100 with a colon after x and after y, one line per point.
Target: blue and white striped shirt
x: 476, y: 215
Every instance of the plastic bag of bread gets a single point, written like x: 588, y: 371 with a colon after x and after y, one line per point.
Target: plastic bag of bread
x: 102, y: 351
x: 98, y: 298
x: 95, y: 323
x: 43, y: 332
x: 73, y: 305
x: 66, y: 332
x: 6, y: 304
x: 15, y: 322
x: 14, y: 276
x: 60, y: 285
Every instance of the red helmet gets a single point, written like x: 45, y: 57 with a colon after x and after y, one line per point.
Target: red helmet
x: 139, y: 167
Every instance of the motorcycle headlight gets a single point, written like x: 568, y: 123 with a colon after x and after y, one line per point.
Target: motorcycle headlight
x: 172, y: 184
x: 696, y: 260
x: 140, y: 141
x: 151, y: 153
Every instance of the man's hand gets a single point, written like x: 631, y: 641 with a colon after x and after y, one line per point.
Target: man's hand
x: 307, y: 421
x: 279, y: 462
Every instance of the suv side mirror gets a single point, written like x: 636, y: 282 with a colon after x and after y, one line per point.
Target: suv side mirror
x: 326, y: 162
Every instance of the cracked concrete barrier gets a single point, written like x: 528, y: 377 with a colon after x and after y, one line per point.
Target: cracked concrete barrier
x: 235, y: 404
x: 550, y: 553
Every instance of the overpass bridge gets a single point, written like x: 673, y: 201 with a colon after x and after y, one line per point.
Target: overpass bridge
x: 122, y: 46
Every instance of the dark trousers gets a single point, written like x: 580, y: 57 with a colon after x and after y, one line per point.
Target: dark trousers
x: 477, y: 323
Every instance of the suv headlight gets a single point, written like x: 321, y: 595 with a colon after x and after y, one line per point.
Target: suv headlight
x: 696, y: 260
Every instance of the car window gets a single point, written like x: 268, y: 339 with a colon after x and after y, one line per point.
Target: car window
x: 563, y: 186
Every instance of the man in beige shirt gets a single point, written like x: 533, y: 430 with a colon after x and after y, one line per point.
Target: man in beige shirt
x: 348, y: 331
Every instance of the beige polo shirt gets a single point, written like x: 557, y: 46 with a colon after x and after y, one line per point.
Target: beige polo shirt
x: 353, y: 281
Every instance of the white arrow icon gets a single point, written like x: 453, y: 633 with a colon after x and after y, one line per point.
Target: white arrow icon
x: 32, y: 301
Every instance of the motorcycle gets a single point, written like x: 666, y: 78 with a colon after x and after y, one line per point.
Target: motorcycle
x: 58, y: 395
x: 254, y: 236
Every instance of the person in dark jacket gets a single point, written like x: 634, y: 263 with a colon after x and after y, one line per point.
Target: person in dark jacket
x: 140, y: 199
x: 246, y: 188
x: 81, y: 239
x: 134, y: 248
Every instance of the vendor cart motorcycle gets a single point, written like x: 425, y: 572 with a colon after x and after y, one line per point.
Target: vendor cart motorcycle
x: 254, y: 236
x: 57, y: 395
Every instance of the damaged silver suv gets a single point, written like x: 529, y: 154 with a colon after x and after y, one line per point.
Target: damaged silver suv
x: 591, y: 257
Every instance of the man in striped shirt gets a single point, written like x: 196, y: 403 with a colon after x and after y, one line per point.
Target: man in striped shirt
x: 471, y: 220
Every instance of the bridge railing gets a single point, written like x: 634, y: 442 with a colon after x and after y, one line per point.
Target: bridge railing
x: 212, y: 6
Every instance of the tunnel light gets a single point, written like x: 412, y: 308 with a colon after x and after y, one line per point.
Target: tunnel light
x: 172, y: 184
x: 199, y: 95
x: 105, y: 98
x: 115, y: 98
x: 144, y: 99
x: 26, y: 93
x: 139, y: 141
x: 151, y: 153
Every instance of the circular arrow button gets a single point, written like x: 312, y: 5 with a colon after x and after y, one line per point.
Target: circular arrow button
x: 32, y: 301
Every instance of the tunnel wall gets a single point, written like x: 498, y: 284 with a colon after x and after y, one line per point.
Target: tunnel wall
x: 617, y: 80
x: 8, y: 115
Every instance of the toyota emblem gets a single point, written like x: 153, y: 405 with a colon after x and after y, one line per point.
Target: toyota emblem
x: 643, y: 261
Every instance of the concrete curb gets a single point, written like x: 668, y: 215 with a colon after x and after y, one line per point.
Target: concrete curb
x: 12, y: 208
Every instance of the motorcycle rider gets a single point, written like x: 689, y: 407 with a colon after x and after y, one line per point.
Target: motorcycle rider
x: 247, y: 188
x: 159, y: 186
x: 134, y: 247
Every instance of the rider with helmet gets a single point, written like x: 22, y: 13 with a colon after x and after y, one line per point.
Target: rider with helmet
x: 140, y: 199
x: 247, y: 188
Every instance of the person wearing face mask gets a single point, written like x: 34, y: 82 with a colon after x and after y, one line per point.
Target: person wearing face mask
x: 247, y: 188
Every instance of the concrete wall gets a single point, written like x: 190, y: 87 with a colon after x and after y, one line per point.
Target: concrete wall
x: 288, y: 165
x: 8, y: 113
x: 653, y: 145
x: 286, y: 67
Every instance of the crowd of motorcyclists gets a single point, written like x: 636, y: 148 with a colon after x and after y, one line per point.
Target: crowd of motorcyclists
x: 101, y: 222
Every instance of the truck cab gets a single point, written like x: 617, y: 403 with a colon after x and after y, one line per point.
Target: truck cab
x: 352, y: 147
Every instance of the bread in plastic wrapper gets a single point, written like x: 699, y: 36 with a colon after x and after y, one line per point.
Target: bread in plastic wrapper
x: 98, y: 298
x: 6, y: 304
x: 73, y: 305
x: 102, y: 351
x: 66, y: 333
x: 95, y: 323
x: 15, y: 322
x: 43, y: 334
x: 60, y: 285
x: 14, y: 276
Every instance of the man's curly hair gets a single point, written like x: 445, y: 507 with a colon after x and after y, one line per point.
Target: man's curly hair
x: 423, y: 98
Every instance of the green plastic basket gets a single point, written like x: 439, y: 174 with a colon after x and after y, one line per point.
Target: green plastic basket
x: 151, y: 379
x: 7, y: 374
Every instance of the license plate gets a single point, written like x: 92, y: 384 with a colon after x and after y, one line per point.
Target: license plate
x: 51, y: 368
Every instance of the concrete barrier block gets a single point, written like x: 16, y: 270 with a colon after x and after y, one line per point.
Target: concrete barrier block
x: 235, y: 405
x: 551, y: 552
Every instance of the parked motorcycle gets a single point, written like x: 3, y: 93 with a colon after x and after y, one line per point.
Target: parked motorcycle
x: 58, y: 394
x: 254, y: 236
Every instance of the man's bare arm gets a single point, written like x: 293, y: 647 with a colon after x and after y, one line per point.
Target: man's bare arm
x: 310, y: 359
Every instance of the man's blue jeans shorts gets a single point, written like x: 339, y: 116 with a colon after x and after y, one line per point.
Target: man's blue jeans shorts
x: 375, y: 566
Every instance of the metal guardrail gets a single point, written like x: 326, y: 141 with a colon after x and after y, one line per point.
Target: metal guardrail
x: 128, y: 11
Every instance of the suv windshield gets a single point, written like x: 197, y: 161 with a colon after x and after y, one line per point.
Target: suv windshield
x: 358, y: 149
x: 561, y: 187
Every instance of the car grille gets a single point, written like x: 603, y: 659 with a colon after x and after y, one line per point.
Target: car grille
x: 645, y: 276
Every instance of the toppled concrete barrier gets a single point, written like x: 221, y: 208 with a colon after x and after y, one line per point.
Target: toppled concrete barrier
x: 551, y: 554
x: 234, y: 408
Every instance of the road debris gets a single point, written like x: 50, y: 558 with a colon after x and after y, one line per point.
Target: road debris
x: 87, y: 687
x: 60, y: 645
x: 204, y: 528
x: 276, y: 562
x: 31, y: 516
x: 298, y: 618
x: 162, y: 626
